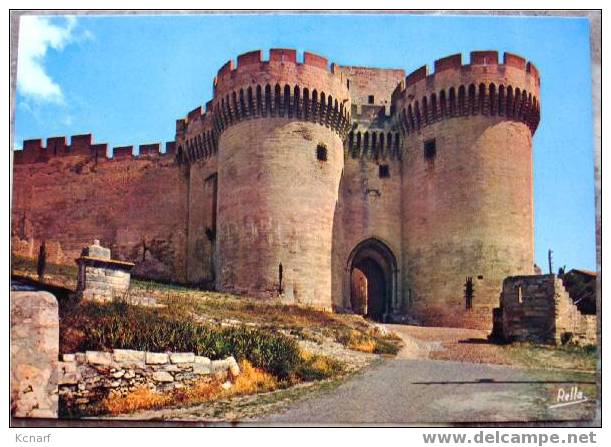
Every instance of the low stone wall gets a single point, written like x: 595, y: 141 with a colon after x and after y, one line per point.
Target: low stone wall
x: 34, y: 353
x: 537, y: 308
x: 87, y: 378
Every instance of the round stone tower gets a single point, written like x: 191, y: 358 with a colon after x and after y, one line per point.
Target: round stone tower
x: 467, y: 186
x: 280, y: 126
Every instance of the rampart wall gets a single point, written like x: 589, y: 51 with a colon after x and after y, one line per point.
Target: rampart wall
x: 69, y: 195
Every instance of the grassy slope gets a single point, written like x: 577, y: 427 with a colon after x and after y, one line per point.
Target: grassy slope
x: 213, y: 307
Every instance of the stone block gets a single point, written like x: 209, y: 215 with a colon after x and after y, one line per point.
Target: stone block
x: 156, y: 358
x: 68, y: 379
x: 202, y: 360
x: 68, y: 373
x: 162, y: 376
x: 219, y: 366
x: 69, y: 357
x: 233, y: 366
x: 97, y: 251
x: 129, y: 356
x: 201, y: 369
x: 182, y: 357
x: 99, y: 358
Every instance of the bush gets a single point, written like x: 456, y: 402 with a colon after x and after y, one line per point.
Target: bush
x: 318, y: 367
x: 359, y: 341
x: 94, y: 326
x: 250, y: 381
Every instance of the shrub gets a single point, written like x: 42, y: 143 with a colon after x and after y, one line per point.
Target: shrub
x: 318, y: 367
x: 251, y: 380
x: 95, y: 326
x: 359, y: 341
x: 140, y: 399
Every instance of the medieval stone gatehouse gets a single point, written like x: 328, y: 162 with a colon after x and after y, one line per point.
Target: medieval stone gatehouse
x: 346, y: 188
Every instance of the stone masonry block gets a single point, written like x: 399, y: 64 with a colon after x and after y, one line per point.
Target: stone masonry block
x: 182, y: 357
x: 163, y: 376
x: 99, y: 358
x: 129, y: 356
x: 201, y: 369
x: 156, y: 358
x: 199, y: 360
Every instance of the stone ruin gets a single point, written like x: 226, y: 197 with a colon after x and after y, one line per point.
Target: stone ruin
x: 101, y: 278
x: 537, y: 308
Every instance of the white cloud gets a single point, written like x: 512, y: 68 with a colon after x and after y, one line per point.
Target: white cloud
x: 36, y: 35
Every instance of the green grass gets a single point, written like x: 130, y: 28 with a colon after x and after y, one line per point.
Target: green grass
x: 183, y: 302
x: 117, y: 325
x: 581, y: 358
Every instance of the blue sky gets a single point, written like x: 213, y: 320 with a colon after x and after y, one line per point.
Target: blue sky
x: 127, y: 78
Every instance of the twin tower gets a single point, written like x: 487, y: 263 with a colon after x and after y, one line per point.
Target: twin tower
x: 359, y: 189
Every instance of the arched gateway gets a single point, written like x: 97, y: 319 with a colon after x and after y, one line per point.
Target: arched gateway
x: 372, y: 270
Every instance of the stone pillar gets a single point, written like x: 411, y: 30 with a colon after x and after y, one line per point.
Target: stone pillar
x: 34, y: 354
x: 101, y: 278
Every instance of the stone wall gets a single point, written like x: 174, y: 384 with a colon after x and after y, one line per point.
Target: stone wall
x: 34, y: 352
x: 369, y: 207
x: 537, y: 308
x: 136, y: 206
x: 87, y: 378
x: 365, y: 82
x: 202, y: 229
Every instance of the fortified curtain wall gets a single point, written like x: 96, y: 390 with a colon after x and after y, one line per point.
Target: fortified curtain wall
x: 69, y: 194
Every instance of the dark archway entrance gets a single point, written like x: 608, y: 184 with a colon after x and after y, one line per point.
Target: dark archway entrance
x: 372, y: 269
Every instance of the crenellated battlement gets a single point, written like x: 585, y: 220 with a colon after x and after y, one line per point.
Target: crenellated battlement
x: 482, y: 87
x: 82, y: 145
x: 481, y: 63
x: 255, y: 88
x: 252, y: 61
x: 196, y: 136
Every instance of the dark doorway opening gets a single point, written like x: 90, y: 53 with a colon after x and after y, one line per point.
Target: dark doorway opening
x: 372, y: 279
